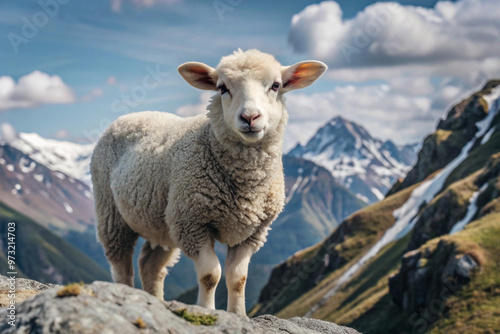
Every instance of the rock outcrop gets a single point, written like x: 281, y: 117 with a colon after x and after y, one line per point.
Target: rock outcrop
x: 451, y: 135
x: 103, y: 307
x: 431, y: 274
x: 24, y: 288
x: 305, y: 269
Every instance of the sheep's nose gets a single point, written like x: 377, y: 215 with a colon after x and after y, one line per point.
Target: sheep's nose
x: 249, y: 119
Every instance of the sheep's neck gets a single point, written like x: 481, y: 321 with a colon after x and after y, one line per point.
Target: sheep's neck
x: 249, y: 165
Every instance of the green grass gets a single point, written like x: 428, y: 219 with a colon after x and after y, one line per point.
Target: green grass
x: 365, y: 289
x: 378, y: 269
x: 365, y: 304
x: 476, y: 159
x: 356, y: 235
x: 473, y: 310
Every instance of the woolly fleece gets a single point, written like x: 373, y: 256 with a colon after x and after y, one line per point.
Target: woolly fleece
x: 183, y: 182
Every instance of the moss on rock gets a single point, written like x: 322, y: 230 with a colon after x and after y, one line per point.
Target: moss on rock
x: 196, y: 319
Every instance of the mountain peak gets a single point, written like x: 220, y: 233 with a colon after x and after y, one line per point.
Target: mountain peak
x: 63, y: 156
x: 366, y: 165
x: 356, y: 130
x: 338, y: 119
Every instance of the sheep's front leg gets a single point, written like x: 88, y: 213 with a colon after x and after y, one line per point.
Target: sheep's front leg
x: 208, y: 271
x: 238, y: 258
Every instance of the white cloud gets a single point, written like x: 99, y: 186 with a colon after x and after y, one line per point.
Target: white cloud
x: 408, y: 64
x: 412, y: 85
x: 8, y: 133
x: 471, y: 72
x: 387, y: 111
x: 458, y: 38
x: 34, y: 89
x: 116, y: 5
x: 196, y: 109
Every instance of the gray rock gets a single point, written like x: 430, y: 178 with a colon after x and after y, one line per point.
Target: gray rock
x: 25, y: 284
x: 24, y: 289
x: 103, y: 307
x: 411, y: 258
x: 465, y: 265
x: 461, y: 267
x: 272, y: 324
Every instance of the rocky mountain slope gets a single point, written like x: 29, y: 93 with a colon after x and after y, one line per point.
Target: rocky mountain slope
x: 115, y: 308
x: 365, y: 165
x: 54, y: 196
x: 42, y: 254
x: 315, y: 205
x: 424, y: 259
x: 65, y: 157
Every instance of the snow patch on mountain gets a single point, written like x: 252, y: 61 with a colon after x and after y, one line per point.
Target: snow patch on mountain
x: 60, y: 156
x: 406, y: 215
x: 471, y: 211
x: 366, y: 165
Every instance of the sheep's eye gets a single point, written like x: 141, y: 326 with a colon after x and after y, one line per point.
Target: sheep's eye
x: 223, y: 89
x: 275, y: 86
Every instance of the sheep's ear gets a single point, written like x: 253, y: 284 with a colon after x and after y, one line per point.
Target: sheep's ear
x: 301, y: 74
x: 199, y: 75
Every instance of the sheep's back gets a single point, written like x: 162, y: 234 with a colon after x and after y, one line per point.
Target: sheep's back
x: 136, y: 151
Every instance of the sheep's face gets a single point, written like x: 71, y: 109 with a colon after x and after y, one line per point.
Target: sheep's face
x: 251, y: 86
x: 251, y: 103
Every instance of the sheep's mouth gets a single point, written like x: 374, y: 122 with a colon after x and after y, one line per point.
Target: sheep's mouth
x: 251, y: 135
x: 250, y: 131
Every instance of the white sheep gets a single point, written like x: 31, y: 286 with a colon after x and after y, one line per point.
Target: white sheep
x: 182, y: 183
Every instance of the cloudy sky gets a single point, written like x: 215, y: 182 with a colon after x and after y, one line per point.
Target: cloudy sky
x: 68, y: 68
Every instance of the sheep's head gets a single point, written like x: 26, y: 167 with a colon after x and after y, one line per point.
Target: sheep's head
x: 251, y: 85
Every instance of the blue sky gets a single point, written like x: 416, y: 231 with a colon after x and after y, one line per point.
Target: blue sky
x: 102, y: 51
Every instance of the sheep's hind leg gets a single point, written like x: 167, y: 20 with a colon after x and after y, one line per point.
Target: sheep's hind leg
x: 119, y: 241
x: 152, y: 267
x: 208, y: 271
x: 238, y: 258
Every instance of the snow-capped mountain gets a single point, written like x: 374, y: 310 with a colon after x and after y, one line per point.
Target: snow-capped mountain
x: 365, y: 165
x: 439, y: 229
x: 60, y: 156
x: 44, y: 180
x: 51, y: 198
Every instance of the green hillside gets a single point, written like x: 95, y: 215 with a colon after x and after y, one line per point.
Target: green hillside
x: 430, y: 281
x: 307, y: 270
